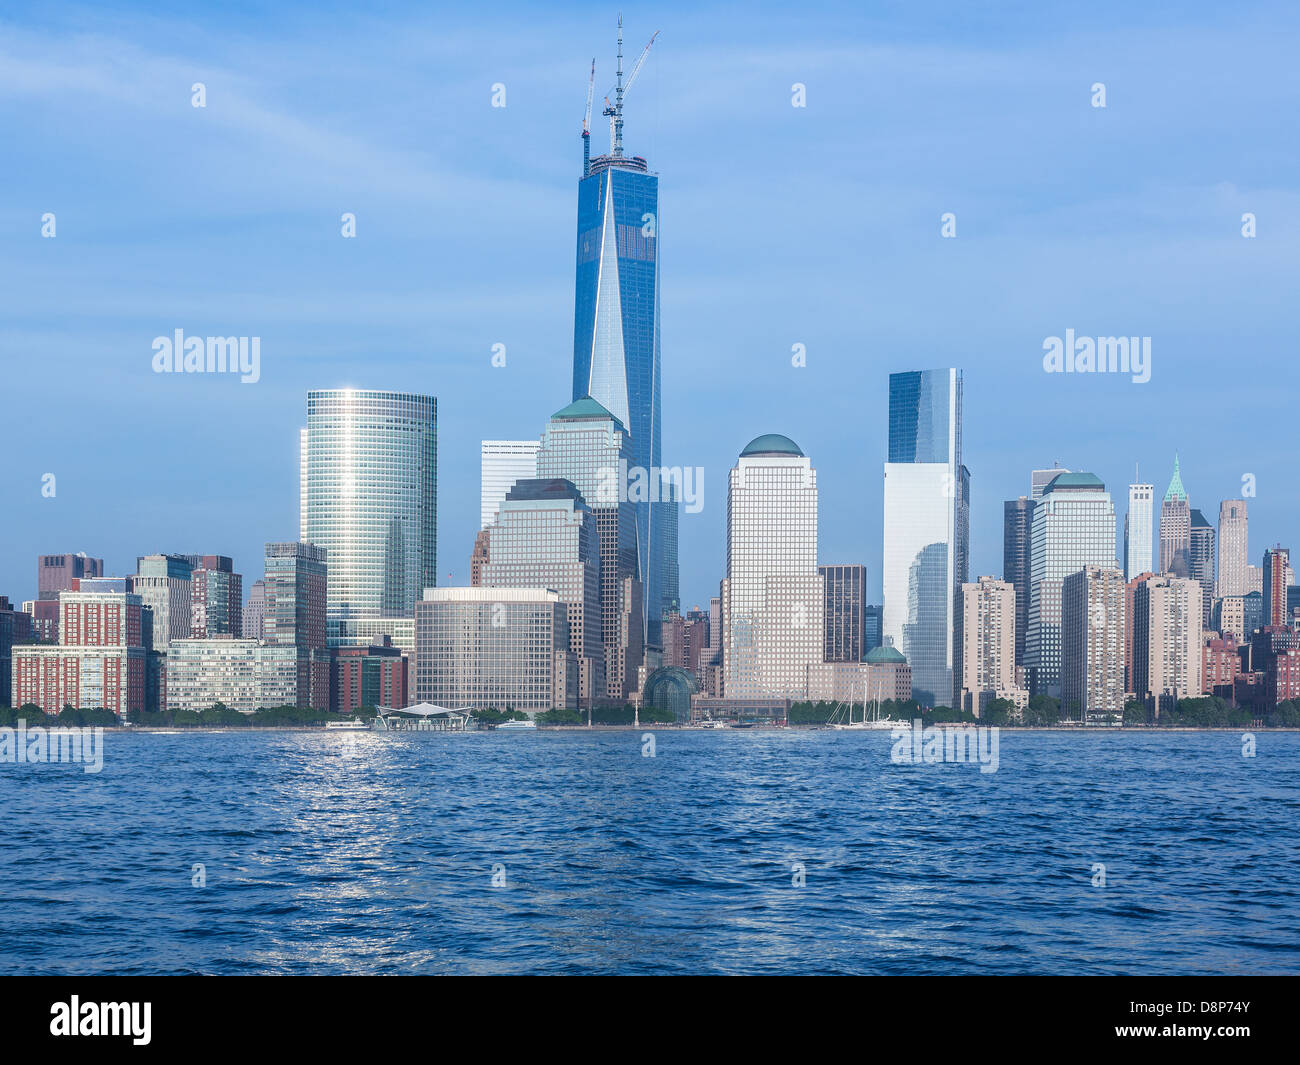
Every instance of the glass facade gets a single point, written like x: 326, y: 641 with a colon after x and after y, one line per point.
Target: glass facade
x: 369, y: 485
x: 586, y: 445
x: 502, y: 463
x: 926, y: 528
x: 1139, y: 526
x: 616, y: 338
x: 1074, y: 527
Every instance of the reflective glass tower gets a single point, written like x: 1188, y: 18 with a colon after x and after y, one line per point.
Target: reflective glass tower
x: 927, y: 526
x: 616, y: 332
x: 369, y: 496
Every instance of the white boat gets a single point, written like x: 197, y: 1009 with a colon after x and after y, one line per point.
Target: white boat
x: 842, y: 717
x: 347, y: 726
x: 516, y: 726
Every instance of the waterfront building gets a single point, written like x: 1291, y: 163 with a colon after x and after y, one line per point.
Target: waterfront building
x: 239, y: 674
x: 102, y: 660
x: 1073, y: 527
x: 1167, y: 644
x: 773, y: 595
x: 926, y: 526
x: 1092, y: 646
x: 1220, y: 664
x: 986, y: 662
x: 545, y: 536
x: 297, y: 591
x: 369, y: 497
x: 494, y: 647
x: 369, y: 676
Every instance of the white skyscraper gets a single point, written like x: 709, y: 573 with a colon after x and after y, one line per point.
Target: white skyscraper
x: 1234, y: 547
x: 1074, y: 527
x: 1139, y: 530
x: 774, y: 597
x: 504, y: 463
x: 927, y: 527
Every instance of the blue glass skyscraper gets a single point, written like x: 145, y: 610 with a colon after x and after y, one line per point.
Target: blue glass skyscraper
x: 616, y: 332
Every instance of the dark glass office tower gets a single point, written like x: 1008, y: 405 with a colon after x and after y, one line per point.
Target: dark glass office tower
x: 1017, y: 520
x: 616, y: 338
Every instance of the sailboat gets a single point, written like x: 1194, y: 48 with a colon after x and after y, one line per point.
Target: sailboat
x: 842, y: 718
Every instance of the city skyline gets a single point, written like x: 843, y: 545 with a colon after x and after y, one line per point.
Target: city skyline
x: 191, y: 500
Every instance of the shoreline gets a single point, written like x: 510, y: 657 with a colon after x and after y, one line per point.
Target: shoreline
x: 1072, y: 730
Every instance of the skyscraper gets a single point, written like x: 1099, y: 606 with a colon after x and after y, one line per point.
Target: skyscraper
x: 1139, y: 524
x: 163, y: 583
x: 773, y: 595
x: 1167, y: 651
x: 616, y: 329
x: 1277, y: 575
x: 1093, y: 645
x: 1201, y: 562
x: 297, y: 590
x: 986, y: 667
x: 1176, y: 528
x: 546, y: 536
x: 927, y: 526
x: 846, y: 613
x: 503, y: 462
x: 1017, y: 521
x: 254, y: 611
x: 1234, y: 548
x: 589, y: 447
x: 55, y: 574
x: 217, y: 597
x: 1074, y: 527
x: 369, y: 486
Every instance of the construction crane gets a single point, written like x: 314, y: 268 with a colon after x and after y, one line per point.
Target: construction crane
x: 586, y: 123
x: 615, y: 112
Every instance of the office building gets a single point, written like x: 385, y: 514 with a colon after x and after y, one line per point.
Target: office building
x: 297, y: 591
x: 1017, y: 522
x: 1139, y: 524
x: 369, y: 497
x: 846, y: 613
x: 502, y: 463
x: 1234, y: 548
x: 164, y: 585
x: 217, y: 597
x: 1176, y: 528
x: 497, y: 648
x: 773, y: 599
x: 926, y: 526
x: 1201, y: 562
x: 254, y: 612
x: 1074, y: 527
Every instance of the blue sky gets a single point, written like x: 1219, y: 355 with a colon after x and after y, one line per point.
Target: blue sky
x: 779, y: 225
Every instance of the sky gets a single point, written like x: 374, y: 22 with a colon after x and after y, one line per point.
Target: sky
x: 779, y: 225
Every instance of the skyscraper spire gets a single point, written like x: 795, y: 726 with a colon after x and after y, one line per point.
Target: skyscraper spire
x: 1176, y: 491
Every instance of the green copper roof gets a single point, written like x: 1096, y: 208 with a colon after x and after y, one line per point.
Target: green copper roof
x: 1176, y: 489
x: 771, y: 444
x: 1074, y: 480
x: 584, y: 408
x: 884, y: 653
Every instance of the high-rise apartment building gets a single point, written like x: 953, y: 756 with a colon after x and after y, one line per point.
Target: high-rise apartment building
x: 164, y: 585
x: 1074, y: 527
x: 616, y: 336
x: 986, y: 663
x: 773, y: 599
x: 1017, y: 522
x: 1167, y: 643
x: 1277, y: 575
x: 502, y: 463
x: 1234, y: 548
x: 1139, y: 525
x: 217, y: 597
x: 587, y: 446
x: 927, y: 526
x: 545, y: 536
x: 1176, y: 528
x: 297, y: 590
x: 846, y: 612
x: 1093, y: 641
x: 369, y: 497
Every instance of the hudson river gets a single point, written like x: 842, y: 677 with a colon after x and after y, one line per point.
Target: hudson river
x: 730, y: 851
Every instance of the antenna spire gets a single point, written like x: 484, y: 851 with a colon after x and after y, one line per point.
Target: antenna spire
x: 618, y: 93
